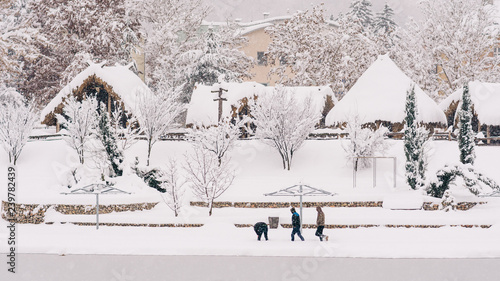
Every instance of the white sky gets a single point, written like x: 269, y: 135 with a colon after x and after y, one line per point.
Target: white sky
x: 253, y: 10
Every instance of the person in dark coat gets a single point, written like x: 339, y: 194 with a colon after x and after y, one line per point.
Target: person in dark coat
x: 320, y: 223
x: 296, y: 225
x: 260, y: 228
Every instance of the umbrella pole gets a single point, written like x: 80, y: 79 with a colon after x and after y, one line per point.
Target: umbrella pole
x: 300, y: 208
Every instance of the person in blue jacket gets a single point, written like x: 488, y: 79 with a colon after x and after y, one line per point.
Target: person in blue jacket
x: 296, y: 225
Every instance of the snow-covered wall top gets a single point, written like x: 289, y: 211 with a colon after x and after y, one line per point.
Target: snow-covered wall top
x: 204, y: 110
x: 125, y: 83
x: 380, y: 95
x: 485, y: 98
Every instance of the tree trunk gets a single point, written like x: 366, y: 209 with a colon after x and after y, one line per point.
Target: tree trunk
x: 211, y: 205
x: 149, y: 151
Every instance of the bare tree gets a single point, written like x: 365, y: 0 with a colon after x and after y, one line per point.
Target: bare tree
x: 156, y: 113
x: 79, y: 119
x: 174, y: 187
x: 17, y: 118
x: 283, y: 122
x: 207, y: 178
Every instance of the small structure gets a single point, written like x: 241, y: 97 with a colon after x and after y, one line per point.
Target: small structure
x: 300, y: 190
x: 379, y: 98
x: 97, y: 188
x: 109, y: 84
x: 204, y: 111
x: 485, y: 99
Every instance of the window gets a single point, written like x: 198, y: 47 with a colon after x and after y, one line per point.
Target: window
x: 496, y: 51
x: 261, y: 58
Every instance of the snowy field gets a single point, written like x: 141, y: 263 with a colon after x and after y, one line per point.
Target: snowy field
x: 320, y: 164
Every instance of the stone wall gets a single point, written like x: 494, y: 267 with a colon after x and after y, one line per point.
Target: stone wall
x: 35, y: 213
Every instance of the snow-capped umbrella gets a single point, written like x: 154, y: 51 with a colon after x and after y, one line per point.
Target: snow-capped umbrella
x: 301, y: 190
x: 97, y: 188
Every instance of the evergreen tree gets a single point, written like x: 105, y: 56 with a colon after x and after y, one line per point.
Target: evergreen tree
x: 108, y: 141
x: 361, y: 9
x: 414, y: 144
x: 466, y: 142
x: 384, y: 22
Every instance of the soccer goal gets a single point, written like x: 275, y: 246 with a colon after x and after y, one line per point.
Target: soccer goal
x: 374, y: 167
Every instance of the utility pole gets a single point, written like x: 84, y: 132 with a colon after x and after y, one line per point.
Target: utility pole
x: 220, y: 99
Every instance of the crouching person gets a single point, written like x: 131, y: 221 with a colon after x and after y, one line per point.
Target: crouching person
x: 260, y: 228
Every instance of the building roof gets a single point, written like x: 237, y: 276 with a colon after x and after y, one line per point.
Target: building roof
x: 204, y: 110
x: 380, y: 95
x: 485, y: 98
x: 124, y: 82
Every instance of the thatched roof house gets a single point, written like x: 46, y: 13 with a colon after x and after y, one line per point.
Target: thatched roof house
x: 109, y: 84
x: 485, y: 99
x: 203, y: 109
x: 379, y: 97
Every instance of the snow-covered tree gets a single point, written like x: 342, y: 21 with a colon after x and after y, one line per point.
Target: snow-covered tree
x: 17, y: 118
x: 384, y: 20
x: 156, y: 113
x: 79, y: 120
x: 218, y: 139
x: 450, y: 46
x: 107, y: 139
x: 466, y: 142
x: 361, y: 9
x: 283, y: 122
x: 174, y: 187
x: 125, y: 127
x: 207, y: 178
x: 415, y: 142
x: 17, y: 40
x: 77, y: 31
x: 364, y: 142
x: 218, y: 56
x: 306, y: 50
x: 169, y: 28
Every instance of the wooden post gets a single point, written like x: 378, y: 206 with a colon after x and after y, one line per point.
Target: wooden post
x: 488, y: 135
x: 220, y: 99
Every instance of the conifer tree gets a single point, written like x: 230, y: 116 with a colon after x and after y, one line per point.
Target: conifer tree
x: 361, y: 9
x: 108, y: 141
x: 384, y: 21
x: 414, y: 144
x: 466, y: 142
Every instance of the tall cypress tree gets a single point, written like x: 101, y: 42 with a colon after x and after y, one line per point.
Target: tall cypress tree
x: 415, y: 139
x: 466, y: 142
x: 108, y: 141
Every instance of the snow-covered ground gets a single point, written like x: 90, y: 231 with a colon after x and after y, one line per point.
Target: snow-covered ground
x: 320, y: 164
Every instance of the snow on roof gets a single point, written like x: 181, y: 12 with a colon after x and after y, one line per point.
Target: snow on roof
x: 204, y: 110
x: 124, y: 82
x: 485, y: 98
x: 380, y: 94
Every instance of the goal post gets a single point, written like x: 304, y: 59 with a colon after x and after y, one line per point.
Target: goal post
x: 374, y: 168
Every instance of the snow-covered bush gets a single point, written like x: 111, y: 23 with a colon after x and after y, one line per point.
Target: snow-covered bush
x: 218, y: 139
x: 208, y: 178
x: 363, y: 142
x: 415, y: 144
x: 466, y: 142
x: 448, y: 202
x: 79, y: 119
x: 283, y: 122
x: 475, y: 182
x: 17, y: 118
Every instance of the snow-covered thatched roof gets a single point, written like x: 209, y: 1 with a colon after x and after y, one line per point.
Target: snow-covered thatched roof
x: 380, y: 95
x: 125, y: 83
x: 485, y: 99
x: 204, y: 110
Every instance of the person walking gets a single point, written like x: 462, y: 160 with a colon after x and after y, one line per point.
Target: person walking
x: 260, y: 228
x: 296, y: 225
x: 320, y: 222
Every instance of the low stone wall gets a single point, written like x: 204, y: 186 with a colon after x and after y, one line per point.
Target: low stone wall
x: 137, y: 224
x: 460, y: 206
x: 35, y: 213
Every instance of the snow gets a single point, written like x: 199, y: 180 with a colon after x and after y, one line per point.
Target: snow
x: 320, y: 164
x: 380, y: 93
x: 204, y: 110
x: 485, y: 99
x: 124, y: 82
